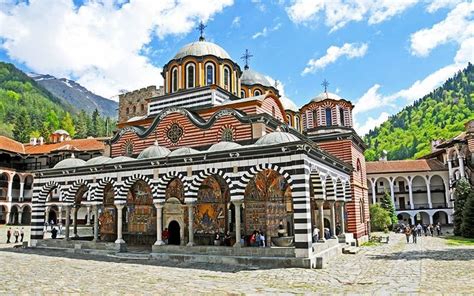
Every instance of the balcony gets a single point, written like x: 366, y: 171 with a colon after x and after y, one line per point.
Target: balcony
x: 422, y: 206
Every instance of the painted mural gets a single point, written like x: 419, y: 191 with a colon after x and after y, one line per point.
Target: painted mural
x: 141, y: 217
x: 175, y: 189
x: 107, y: 221
x: 267, y: 202
x: 210, y: 211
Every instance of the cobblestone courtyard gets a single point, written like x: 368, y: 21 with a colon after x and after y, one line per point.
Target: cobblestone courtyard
x: 427, y: 267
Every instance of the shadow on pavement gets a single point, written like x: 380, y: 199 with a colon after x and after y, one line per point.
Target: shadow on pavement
x: 451, y: 254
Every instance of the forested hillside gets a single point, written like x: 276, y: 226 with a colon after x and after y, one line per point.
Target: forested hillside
x: 439, y: 115
x: 27, y: 109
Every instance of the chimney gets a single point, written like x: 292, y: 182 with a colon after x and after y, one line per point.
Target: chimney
x: 33, y: 141
x: 383, y: 157
x: 40, y: 141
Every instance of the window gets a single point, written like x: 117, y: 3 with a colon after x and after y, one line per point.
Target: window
x: 143, y: 107
x: 190, y: 73
x: 227, y: 135
x: 273, y: 111
x: 315, y: 118
x: 174, y: 133
x: 381, y: 183
x: 174, y: 80
x: 128, y: 149
x: 210, y: 74
x: 288, y: 118
x: 257, y: 92
x: 297, y: 123
x: 328, y: 117
x: 341, y: 116
x: 128, y: 111
x: 227, y: 83
x: 134, y: 109
x: 242, y: 93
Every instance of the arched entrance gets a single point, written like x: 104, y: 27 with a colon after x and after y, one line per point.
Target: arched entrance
x: 4, y: 186
x: 16, y: 188
x: 26, y: 216
x: 81, y: 195
x: 52, y: 215
x: 174, y: 231
x: 174, y: 208
x: 107, y: 216
x: 440, y: 217
x: 3, y: 215
x: 267, y: 203
x: 210, y: 216
x: 13, y: 215
x: 422, y: 218
x: 404, y: 218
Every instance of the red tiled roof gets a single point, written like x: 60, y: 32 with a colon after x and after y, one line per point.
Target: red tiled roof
x: 71, y: 145
x: 11, y: 145
x: 417, y: 165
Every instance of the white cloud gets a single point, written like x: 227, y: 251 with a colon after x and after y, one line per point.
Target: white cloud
x: 435, y: 5
x: 260, y: 5
x: 265, y: 31
x: 370, y: 123
x: 333, y: 53
x: 338, y: 13
x: 236, y: 22
x: 456, y: 27
x: 101, y: 44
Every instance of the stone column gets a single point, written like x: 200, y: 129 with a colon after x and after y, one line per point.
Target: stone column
x: 119, y: 224
x: 431, y: 218
x: 88, y: 220
x: 392, y: 192
x: 320, y: 205
x: 450, y: 169
x: 7, y: 217
x: 96, y: 222
x: 10, y: 188
x: 74, y: 221
x: 22, y: 190
x: 374, y: 193
x: 68, y: 218
x: 461, y: 166
x: 237, y: 204
x: 343, y: 218
x: 46, y: 215
x: 20, y: 215
x: 60, y: 209
x: 413, y: 219
x: 159, y: 224
x: 191, y: 221
x: 428, y: 192
x: 410, y: 194
x: 333, y: 218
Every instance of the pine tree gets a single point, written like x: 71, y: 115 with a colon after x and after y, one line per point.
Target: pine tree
x: 467, y: 226
x: 81, y: 125
x: 22, y: 129
x: 68, y: 125
x: 95, y: 123
x: 463, y: 189
x: 53, y: 120
x: 387, y: 204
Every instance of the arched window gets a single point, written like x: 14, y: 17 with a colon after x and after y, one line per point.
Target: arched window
x: 273, y: 111
x: 341, y: 116
x: 227, y: 135
x: 242, y: 93
x: 174, y: 80
x: 210, y: 74
x: 257, y: 92
x: 288, y: 118
x: 227, y: 82
x: 128, y: 111
x: 134, y: 109
x: 142, y: 107
x: 328, y: 117
x: 190, y: 75
x: 297, y: 123
x: 315, y: 118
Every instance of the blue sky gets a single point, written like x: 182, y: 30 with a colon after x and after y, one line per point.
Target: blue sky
x: 381, y: 55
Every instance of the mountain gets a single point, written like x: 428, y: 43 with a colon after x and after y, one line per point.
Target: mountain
x: 71, y: 92
x: 440, y: 114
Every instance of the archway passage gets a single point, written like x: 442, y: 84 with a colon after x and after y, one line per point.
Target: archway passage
x: 268, y: 202
x: 52, y: 216
x: 174, y: 231
x: 440, y: 217
x: 174, y: 209
x: 140, y: 219
x: 13, y: 215
x: 26, y: 216
x: 107, y: 216
x: 3, y: 214
x: 210, y: 213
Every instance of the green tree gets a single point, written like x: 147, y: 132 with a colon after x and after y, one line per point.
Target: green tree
x: 387, y: 203
x: 463, y: 189
x: 94, y: 131
x: 22, y: 129
x: 81, y: 125
x: 68, y: 125
x: 52, y: 120
x: 467, y: 226
x: 379, y: 218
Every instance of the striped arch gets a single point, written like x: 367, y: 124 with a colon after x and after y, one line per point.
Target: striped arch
x: 45, y: 190
x: 164, y: 182
x: 330, y: 189
x: 339, y: 190
x: 347, y: 191
x: 250, y: 174
x: 197, y: 181
x: 317, y: 183
x: 98, y: 192
x: 127, y: 185
x: 38, y: 208
x: 71, y: 193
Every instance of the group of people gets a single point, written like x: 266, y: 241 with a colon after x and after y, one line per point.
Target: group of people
x: 418, y: 230
x: 18, y: 234
x: 257, y: 239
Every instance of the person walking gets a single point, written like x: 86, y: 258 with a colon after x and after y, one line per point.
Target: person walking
x: 9, y: 234
x: 408, y: 233
x: 438, y: 229
x: 431, y: 229
x: 54, y: 233
x: 22, y: 234
x: 418, y: 229
x: 414, y: 234
x: 16, y: 233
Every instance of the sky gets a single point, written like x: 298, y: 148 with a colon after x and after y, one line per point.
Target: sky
x: 379, y: 54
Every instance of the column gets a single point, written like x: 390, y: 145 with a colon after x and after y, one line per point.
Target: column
x: 413, y: 220
x: 333, y: 218
x: 119, y: 224
x: 74, y: 221
x: 60, y: 209
x: 22, y: 190
x: 374, y: 194
x: 159, y: 224
x: 9, y: 192
x: 88, y: 220
x: 190, y: 221
x: 7, y: 217
x: 410, y: 193
x: 343, y: 218
x: 237, y: 204
x: 392, y: 192
x: 461, y: 166
x: 20, y: 215
x: 68, y: 218
x: 450, y: 169
x: 320, y: 205
x: 428, y: 193
x: 46, y: 215
x: 96, y: 222
x: 431, y: 218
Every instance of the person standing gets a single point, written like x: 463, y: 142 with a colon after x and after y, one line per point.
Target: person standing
x: 16, y: 233
x: 315, y: 234
x: 54, y: 233
x: 262, y: 239
x: 165, y: 235
x: 22, y: 234
x: 418, y: 229
x: 431, y: 230
x: 438, y: 229
x: 414, y: 234
x: 9, y: 234
x: 408, y: 233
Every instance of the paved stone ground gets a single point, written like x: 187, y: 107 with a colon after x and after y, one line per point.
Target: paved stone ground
x: 429, y: 267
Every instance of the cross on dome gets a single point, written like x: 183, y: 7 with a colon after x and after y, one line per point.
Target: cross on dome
x: 246, y: 57
x: 325, y: 84
x: 201, y: 28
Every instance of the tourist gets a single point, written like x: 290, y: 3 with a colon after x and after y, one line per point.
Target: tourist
x: 438, y: 229
x: 16, y: 233
x: 338, y: 229
x: 262, y: 239
x: 217, y: 239
x: 315, y: 234
x: 408, y: 233
x: 165, y: 235
x: 414, y: 234
x: 52, y: 224
x: 431, y: 229
x: 9, y: 235
x: 418, y: 229
x: 22, y: 234
x: 253, y: 239
x: 258, y: 238
x: 281, y: 229
x: 227, y: 239
x: 425, y: 229
x: 327, y: 233
x: 54, y: 233
x: 242, y: 240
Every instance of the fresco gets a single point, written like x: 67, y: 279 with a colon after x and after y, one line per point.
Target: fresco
x: 175, y: 189
x: 107, y: 220
x: 141, y: 217
x: 210, y: 211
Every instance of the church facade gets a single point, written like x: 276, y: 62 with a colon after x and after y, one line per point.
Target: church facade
x: 217, y: 153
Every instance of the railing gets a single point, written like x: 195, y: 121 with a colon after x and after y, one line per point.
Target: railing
x: 421, y: 206
x: 439, y: 205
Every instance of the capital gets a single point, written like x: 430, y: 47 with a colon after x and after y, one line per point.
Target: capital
x: 237, y: 202
x: 158, y: 205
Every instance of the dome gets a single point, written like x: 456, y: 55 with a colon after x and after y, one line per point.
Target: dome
x: 202, y: 48
x: 183, y: 151
x: 221, y: 146
x: 276, y: 138
x: 97, y: 160
x: 250, y: 77
x: 119, y: 159
x: 288, y: 104
x: 60, y: 132
x: 154, y: 151
x: 69, y: 163
x: 326, y: 95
